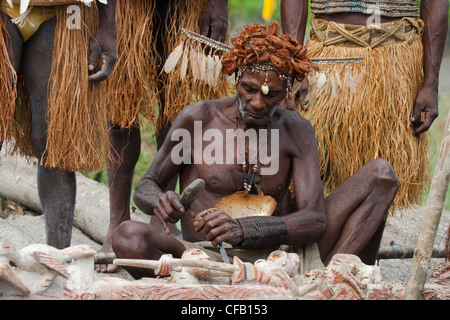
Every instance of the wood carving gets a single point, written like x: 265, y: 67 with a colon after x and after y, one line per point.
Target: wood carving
x: 40, y: 271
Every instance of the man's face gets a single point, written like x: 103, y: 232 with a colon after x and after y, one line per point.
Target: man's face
x: 257, y: 108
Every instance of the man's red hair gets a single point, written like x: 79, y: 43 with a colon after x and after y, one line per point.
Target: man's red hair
x: 264, y: 45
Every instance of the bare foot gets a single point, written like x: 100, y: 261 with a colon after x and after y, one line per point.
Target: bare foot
x: 106, y: 267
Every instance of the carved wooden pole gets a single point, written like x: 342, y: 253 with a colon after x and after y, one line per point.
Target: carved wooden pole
x: 433, y: 212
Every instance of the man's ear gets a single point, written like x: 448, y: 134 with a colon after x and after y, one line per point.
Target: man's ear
x: 288, y: 104
x: 300, y: 96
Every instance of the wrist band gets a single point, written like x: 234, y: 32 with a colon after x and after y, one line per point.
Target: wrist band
x: 262, y: 232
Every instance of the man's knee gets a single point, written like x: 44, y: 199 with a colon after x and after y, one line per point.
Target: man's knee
x: 384, y: 175
x: 38, y: 142
x: 131, y: 235
x: 122, y: 234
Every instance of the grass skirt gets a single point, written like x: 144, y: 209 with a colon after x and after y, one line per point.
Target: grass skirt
x: 78, y: 111
x: 363, y: 110
x: 179, y: 91
x: 77, y: 129
x: 8, y: 79
x: 138, y: 86
x: 76, y: 118
x: 132, y: 84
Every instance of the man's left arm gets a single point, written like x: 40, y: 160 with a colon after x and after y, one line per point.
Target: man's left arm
x: 215, y: 20
x: 435, y: 16
x: 309, y: 222
x: 103, y: 42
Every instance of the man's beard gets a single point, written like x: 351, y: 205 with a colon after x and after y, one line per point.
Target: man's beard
x: 260, y: 121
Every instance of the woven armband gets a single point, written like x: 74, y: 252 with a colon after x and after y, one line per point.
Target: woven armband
x: 262, y: 232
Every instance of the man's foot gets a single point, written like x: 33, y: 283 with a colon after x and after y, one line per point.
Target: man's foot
x: 106, y: 268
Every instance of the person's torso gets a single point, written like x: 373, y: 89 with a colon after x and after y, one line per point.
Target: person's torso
x: 219, y: 165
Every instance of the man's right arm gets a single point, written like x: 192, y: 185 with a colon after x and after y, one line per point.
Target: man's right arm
x: 150, y: 198
x: 149, y: 194
x: 163, y: 168
x: 435, y: 16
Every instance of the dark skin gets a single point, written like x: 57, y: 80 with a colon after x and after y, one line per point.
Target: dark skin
x: 434, y: 13
x: 57, y: 187
x: 358, y: 207
x: 103, y: 43
x: 127, y: 143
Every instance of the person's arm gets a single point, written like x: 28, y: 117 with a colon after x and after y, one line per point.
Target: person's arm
x: 434, y: 13
x: 294, y: 15
x: 149, y: 194
x: 309, y: 222
x: 103, y: 42
x: 215, y: 20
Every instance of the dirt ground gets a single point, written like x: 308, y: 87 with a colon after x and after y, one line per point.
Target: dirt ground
x: 403, y: 228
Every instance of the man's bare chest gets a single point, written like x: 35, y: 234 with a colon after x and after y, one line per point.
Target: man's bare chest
x: 231, y: 159
x: 226, y: 179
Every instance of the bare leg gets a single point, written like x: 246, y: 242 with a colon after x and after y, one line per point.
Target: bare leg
x: 357, y: 211
x: 126, y: 144
x: 57, y: 192
x: 138, y: 240
x: 56, y: 187
x: 126, y: 147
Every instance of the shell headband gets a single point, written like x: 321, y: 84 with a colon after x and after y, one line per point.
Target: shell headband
x: 257, y: 67
x: 214, y: 65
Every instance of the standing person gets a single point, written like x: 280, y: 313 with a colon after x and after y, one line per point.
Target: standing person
x: 147, y: 32
x: 51, y: 97
x: 350, y: 220
x: 382, y: 106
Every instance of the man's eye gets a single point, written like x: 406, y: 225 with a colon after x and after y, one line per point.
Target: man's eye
x: 249, y: 89
x: 273, y: 94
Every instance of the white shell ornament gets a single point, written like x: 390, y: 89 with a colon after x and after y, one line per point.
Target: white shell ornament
x: 265, y: 88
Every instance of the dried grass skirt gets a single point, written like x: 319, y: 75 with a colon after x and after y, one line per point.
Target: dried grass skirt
x: 364, y: 112
x: 79, y: 111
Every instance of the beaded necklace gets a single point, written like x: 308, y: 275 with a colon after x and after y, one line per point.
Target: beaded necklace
x: 251, y: 173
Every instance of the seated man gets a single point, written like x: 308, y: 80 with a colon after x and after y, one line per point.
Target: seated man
x: 350, y: 220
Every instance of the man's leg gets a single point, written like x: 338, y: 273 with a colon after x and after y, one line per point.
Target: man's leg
x: 138, y: 240
x: 56, y: 187
x: 126, y: 145
x: 357, y: 211
x: 126, y: 148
